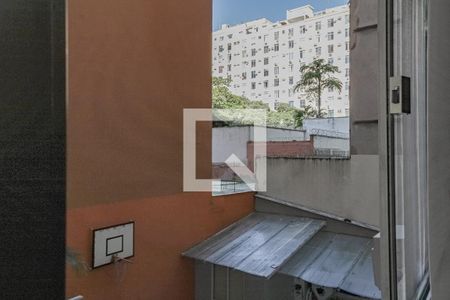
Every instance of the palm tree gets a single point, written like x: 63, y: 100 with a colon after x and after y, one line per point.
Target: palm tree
x: 317, y: 76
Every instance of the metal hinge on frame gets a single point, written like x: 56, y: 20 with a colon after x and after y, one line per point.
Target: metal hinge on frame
x: 400, y: 95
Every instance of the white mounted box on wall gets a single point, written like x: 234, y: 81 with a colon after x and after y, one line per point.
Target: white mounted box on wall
x: 112, y: 242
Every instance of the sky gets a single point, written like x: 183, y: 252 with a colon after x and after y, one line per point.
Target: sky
x: 238, y: 11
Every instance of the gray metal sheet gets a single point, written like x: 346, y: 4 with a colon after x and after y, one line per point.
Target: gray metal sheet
x: 361, y: 279
x: 258, y: 244
x: 336, y: 261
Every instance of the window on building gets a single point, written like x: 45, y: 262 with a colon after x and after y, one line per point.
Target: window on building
x: 346, y: 32
x: 347, y: 19
x: 347, y: 59
x: 347, y: 86
x: 330, y: 89
x: 302, y: 52
x: 276, y: 47
x: 220, y: 69
x: 276, y: 82
x: 276, y: 35
x: 229, y: 47
x: 266, y: 73
x: 291, y: 80
x: 291, y: 44
x: 302, y: 103
x: 253, y: 63
x: 330, y: 60
x: 302, y: 29
x: 318, y: 25
x: 266, y: 60
x: 253, y: 52
x: 330, y: 36
x: 330, y: 113
x: 347, y: 72
x: 266, y: 84
x: 229, y: 68
x: 291, y: 56
x: 220, y: 48
x: 347, y: 46
x: 318, y: 50
x: 330, y: 48
x: 330, y: 23
x: 290, y: 94
x: 277, y: 94
x: 277, y: 70
x: 244, y: 76
x: 291, y: 32
x: 291, y: 103
x: 229, y: 57
x: 253, y: 74
x: 266, y: 49
x: 253, y: 85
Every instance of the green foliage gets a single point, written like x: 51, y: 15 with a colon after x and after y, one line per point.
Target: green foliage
x: 223, y: 98
x: 285, y: 116
x: 302, y: 114
x: 317, y: 76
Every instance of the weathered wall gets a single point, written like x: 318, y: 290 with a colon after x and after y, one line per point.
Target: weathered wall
x: 127, y: 88
x: 284, y: 149
x: 364, y: 77
x: 347, y: 188
x: 341, y: 124
x: 329, y: 142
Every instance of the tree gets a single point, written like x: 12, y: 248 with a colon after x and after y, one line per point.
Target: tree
x: 302, y: 114
x: 317, y: 76
x: 222, y: 98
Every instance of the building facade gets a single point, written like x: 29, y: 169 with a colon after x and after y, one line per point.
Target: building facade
x: 263, y: 58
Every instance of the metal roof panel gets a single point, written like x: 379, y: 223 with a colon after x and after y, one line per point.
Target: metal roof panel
x: 259, y: 244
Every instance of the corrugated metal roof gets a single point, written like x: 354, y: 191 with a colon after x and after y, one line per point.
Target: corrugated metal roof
x: 337, y: 261
x: 259, y: 244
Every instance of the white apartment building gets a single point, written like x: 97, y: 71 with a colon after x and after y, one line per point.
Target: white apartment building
x: 263, y: 58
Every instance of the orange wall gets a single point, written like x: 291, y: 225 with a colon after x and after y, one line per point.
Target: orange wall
x: 133, y: 65
x: 165, y: 227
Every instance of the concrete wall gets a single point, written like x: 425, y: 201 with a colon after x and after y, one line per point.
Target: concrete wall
x: 364, y: 77
x: 229, y: 140
x: 281, y: 149
x: 330, y: 124
x: 327, y: 142
x: 347, y: 188
x: 439, y: 147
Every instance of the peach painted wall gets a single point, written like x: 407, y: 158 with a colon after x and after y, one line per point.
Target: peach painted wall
x: 164, y: 228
